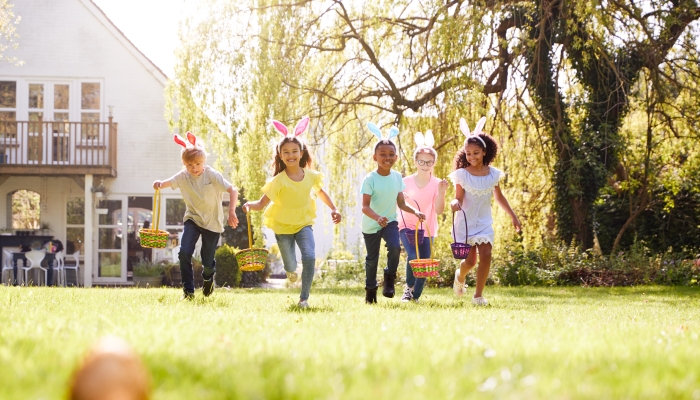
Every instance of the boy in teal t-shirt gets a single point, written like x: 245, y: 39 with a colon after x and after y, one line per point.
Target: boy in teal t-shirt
x: 382, y: 192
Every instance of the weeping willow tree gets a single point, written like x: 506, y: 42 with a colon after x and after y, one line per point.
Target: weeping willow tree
x: 553, y: 76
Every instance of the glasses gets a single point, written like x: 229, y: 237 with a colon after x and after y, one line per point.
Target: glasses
x: 426, y: 163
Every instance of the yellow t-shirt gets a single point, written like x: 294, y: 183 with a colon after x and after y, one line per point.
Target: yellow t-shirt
x: 293, y: 206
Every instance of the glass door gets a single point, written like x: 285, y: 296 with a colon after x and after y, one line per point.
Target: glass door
x: 112, y: 228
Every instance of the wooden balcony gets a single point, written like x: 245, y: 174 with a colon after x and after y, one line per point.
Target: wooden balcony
x: 58, y: 148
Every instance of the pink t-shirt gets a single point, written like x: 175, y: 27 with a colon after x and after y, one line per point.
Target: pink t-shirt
x: 426, y: 202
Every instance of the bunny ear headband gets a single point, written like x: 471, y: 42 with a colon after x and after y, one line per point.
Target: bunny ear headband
x: 191, y: 141
x: 477, y: 130
x: 426, y: 140
x: 393, y: 132
x: 298, y: 130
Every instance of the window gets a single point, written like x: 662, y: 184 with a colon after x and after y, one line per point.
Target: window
x: 89, y: 109
x: 8, y: 109
x: 75, y: 224
x: 26, y: 209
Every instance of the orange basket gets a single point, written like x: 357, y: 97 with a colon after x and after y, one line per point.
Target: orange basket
x: 154, y: 238
x: 424, y: 268
x: 251, y: 259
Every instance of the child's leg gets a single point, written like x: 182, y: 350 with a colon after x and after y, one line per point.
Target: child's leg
x: 482, y: 273
x: 190, y: 235
x: 209, y: 241
x: 410, y: 255
x: 307, y: 245
x: 390, y: 234
x: 424, y: 249
x: 287, y: 252
x: 372, y: 243
x: 467, y: 264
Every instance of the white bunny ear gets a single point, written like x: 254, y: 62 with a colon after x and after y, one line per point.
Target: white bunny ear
x: 464, y: 127
x: 480, y: 126
x: 429, y: 139
x: 419, y: 139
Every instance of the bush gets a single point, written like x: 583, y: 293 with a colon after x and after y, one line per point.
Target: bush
x: 227, y: 270
x: 148, y: 268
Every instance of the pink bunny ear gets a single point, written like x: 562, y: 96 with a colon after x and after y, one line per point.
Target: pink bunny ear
x: 192, y: 138
x: 301, y: 126
x: 281, y: 128
x: 179, y: 140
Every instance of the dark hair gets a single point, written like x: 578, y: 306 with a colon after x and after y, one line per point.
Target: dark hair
x: 490, y: 151
x: 384, y: 142
x: 305, y: 161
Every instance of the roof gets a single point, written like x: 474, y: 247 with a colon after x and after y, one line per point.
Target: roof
x: 147, y: 63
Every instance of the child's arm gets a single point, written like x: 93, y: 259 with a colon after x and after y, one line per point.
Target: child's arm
x: 257, y: 205
x: 503, y: 202
x: 440, y: 198
x: 161, y: 184
x: 401, y: 202
x: 459, y: 198
x: 233, y: 201
x: 366, y: 199
x: 326, y: 199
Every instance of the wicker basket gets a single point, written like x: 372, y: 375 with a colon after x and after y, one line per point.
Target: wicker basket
x: 460, y: 251
x: 251, y: 259
x: 424, y: 268
x: 154, y: 238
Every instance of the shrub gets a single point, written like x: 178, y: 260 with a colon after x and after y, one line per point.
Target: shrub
x: 148, y: 268
x: 227, y: 270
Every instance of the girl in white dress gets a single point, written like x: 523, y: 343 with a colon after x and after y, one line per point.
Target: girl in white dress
x: 475, y: 181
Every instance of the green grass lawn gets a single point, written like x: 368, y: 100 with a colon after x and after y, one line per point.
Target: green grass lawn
x: 531, y: 343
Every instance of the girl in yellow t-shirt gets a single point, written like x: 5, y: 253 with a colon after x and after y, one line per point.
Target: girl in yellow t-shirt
x: 293, y: 209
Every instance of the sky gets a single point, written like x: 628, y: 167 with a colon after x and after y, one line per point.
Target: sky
x: 151, y: 25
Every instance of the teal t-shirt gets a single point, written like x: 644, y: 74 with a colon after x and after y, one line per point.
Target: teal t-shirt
x: 384, y: 190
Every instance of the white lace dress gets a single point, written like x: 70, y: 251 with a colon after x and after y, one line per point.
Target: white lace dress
x: 478, y: 191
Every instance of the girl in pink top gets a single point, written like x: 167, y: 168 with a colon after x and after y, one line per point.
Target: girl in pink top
x: 428, y: 192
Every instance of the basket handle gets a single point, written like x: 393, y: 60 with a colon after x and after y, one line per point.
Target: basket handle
x: 156, y: 209
x: 430, y: 243
x: 250, y: 235
x: 404, y: 221
x: 466, y: 228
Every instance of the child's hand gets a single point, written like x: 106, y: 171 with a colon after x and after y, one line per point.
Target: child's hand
x: 246, y: 207
x: 232, y: 218
x: 443, y: 185
x: 156, y: 184
x: 335, y: 215
x: 516, y: 224
x: 382, y: 221
x: 420, y: 215
x: 454, y: 204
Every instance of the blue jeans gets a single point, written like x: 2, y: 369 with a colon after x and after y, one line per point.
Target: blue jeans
x: 390, y: 234
x: 424, y: 248
x: 190, y: 235
x: 305, y: 240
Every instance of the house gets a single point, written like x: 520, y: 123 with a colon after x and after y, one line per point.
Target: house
x: 82, y: 124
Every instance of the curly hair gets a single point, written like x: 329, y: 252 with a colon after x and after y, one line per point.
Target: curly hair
x: 305, y: 161
x: 490, y: 151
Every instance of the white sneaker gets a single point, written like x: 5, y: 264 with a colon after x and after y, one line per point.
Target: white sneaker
x: 303, y: 304
x: 407, y: 294
x: 457, y: 287
x: 480, y: 301
x: 292, y: 276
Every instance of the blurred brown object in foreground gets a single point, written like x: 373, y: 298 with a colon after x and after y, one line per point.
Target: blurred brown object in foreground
x: 110, y: 371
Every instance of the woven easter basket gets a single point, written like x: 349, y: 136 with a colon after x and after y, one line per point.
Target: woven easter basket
x: 251, y: 259
x: 427, y: 267
x: 154, y: 238
x: 460, y: 251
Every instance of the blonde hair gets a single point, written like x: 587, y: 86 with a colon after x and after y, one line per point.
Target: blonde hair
x: 193, y: 154
x: 426, y: 150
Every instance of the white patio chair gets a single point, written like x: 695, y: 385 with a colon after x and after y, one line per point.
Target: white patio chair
x: 176, y: 254
x: 6, y: 267
x: 58, y: 270
x: 75, y: 268
x: 35, y: 257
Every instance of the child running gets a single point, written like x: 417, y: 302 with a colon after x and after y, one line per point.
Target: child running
x: 201, y: 187
x: 428, y: 193
x: 293, y: 209
x: 475, y: 181
x: 382, y: 192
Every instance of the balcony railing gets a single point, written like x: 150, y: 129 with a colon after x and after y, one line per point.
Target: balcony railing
x: 58, y: 148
